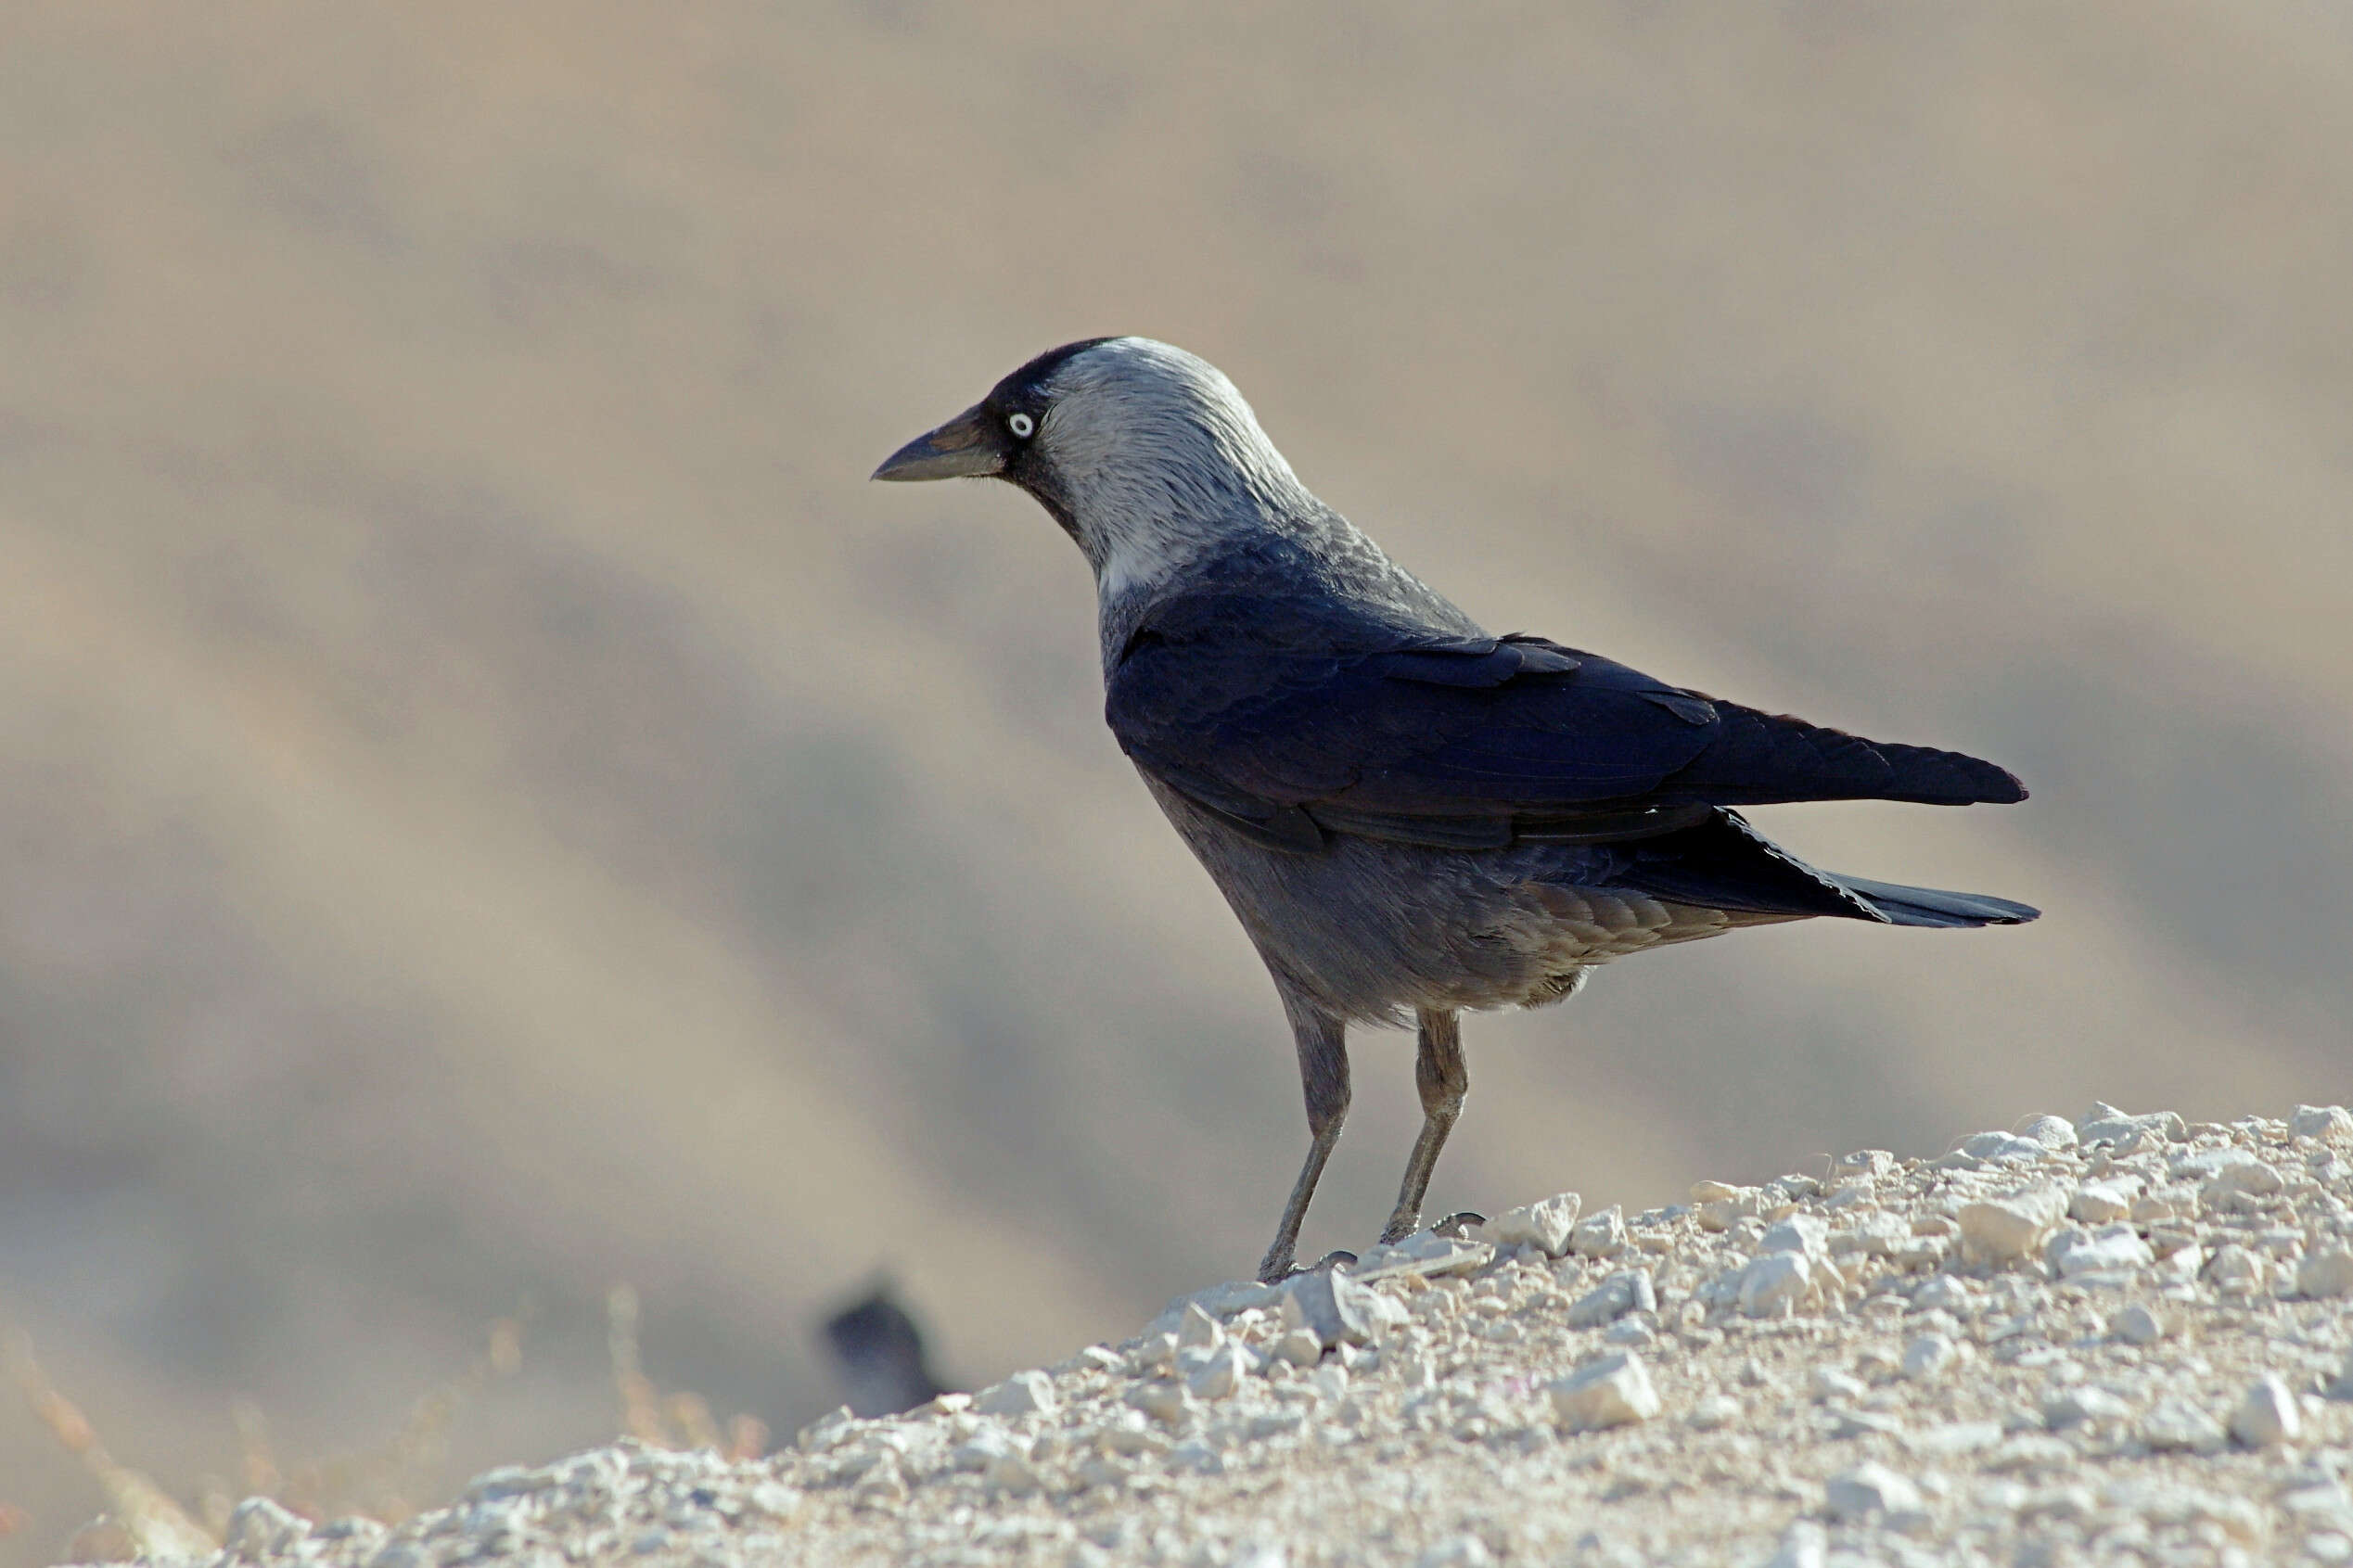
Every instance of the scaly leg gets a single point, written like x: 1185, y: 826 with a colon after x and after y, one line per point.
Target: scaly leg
x: 1322, y: 1046
x: 1440, y: 1074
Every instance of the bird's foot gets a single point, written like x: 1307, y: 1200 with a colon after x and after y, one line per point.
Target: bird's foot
x: 1269, y: 1273
x: 1454, y: 1226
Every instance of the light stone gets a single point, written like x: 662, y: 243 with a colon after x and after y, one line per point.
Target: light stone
x: 2111, y: 1247
x: 2052, y: 1132
x: 2329, y: 1124
x: 2176, y: 1424
x: 1627, y: 1291
x: 1775, y: 1283
x: 2076, y: 1406
x: 1869, y: 1489
x: 1599, y: 1235
x: 1928, y: 1355
x: 1224, y: 1371
x: 2328, y: 1272
x: 2100, y: 1202
x: 2266, y: 1415
x: 1545, y: 1225
x: 2002, y: 1231
x: 1612, y: 1390
x: 1799, y: 1232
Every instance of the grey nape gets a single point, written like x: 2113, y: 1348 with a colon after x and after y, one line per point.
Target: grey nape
x: 1410, y: 815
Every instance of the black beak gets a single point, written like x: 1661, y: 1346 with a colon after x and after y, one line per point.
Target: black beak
x: 969, y: 446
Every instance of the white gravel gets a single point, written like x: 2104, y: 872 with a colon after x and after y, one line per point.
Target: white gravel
x: 2121, y: 1339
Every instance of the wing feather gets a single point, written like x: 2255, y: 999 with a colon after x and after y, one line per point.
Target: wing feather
x: 1293, y: 720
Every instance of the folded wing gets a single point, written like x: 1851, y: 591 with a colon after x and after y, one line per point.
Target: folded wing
x: 1292, y: 721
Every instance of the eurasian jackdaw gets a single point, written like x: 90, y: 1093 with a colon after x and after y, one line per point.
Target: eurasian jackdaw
x: 1409, y: 814
x: 879, y: 1351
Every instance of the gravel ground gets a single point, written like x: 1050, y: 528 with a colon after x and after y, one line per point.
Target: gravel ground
x: 2122, y: 1339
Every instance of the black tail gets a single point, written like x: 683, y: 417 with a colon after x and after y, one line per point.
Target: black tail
x: 1934, y: 906
x: 1725, y: 864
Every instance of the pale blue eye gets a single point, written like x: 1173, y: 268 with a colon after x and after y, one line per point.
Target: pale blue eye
x: 1022, y: 424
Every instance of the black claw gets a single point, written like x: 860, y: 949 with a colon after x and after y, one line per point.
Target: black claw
x: 1454, y: 1226
x: 1329, y: 1260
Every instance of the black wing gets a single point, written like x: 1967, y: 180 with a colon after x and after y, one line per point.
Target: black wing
x: 1290, y: 719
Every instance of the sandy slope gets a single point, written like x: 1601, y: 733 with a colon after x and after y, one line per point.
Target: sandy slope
x: 2111, y: 1340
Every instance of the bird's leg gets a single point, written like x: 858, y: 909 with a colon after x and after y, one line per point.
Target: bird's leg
x: 1440, y: 1074
x: 1323, y: 1045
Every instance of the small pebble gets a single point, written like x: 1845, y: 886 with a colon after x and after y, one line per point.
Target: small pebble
x: 1715, y: 1410
x: 2005, y: 1230
x: 2267, y: 1415
x: 2100, y: 1202
x: 2250, y: 1178
x: 2112, y: 1247
x: 1332, y: 1306
x: 1224, y: 1371
x: 2052, y: 1132
x: 260, y: 1527
x: 1611, y: 1390
x: 1164, y: 1399
x: 2105, y: 1122
x: 2328, y: 1272
x: 1022, y: 1394
x: 826, y: 1430
x: 2076, y: 1406
x: 1928, y: 1355
x: 1829, y: 1382
x: 2003, y: 1147
x: 2328, y: 1124
x: 1627, y: 1291
x: 1952, y: 1439
x: 2234, y: 1268
x: 1799, y: 1233
x: 1775, y: 1283
x: 1457, y: 1551
x: 1599, y: 1235
x: 1868, y: 1489
x: 1010, y: 1472
x: 2177, y: 1424
x: 1802, y: 1546
x: 1545, y: 1225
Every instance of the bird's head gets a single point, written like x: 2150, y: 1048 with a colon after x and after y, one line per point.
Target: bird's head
x: 1146, y: 454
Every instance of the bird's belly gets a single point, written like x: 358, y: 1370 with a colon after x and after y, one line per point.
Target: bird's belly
x: 1372, y: 930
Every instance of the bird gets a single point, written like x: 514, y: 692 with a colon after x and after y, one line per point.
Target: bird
x: 878, y: 1350
x: 1411, y: 816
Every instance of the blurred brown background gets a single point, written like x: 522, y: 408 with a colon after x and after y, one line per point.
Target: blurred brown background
x: 491, y: 804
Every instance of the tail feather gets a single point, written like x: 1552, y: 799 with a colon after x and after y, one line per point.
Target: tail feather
x: 1725, y: 864
x: 1935, y: 905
